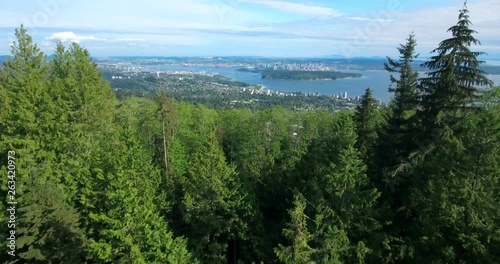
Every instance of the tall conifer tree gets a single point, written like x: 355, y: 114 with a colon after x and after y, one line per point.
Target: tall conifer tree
x: 299, y: 251
x: 454, y: 75
x: 366, y: 120
x: 405, y: 84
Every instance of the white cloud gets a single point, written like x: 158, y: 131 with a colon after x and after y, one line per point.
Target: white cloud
x: 69, y: 36
x: 295, y: 7
x: 369, y: 19
x: 128, y: 40
x: 191, y: 25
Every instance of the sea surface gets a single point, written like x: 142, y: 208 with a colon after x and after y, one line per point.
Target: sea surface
x: 377, y: 80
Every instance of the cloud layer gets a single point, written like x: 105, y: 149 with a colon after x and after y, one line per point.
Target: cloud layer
x: 69, y: 37
x: 295, y: 7
x: 251, y: 27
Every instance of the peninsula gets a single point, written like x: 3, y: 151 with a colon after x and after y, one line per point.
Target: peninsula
x: 301, y: 75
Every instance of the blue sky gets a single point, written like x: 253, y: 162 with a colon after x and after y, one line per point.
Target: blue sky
x: 276, y: 28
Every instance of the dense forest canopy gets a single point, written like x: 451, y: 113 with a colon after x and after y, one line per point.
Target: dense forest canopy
x: 139, y: 180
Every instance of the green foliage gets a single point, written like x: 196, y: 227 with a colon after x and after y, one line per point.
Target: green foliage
x: 344, y: 203
x: 405, y: 97
x: 441, y: 204
x: 161, y: 181
x: 213, y: 199
x: 395, y: 138
x: 395, y: 142
x: 23, y: 78
x: 86, y: 183
x: 453, y: 76
x: 49, y: 227
x: 455, y: 194
x: 299, y: 251
x: 167, y: 116
x: 367, y: 120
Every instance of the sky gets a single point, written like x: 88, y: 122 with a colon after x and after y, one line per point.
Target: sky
x: 269, y: 28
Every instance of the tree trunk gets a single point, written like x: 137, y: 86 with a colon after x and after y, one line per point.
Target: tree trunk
x: 165, y: 148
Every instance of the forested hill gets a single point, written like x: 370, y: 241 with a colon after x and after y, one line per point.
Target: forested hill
x: 303, y: 75
x: 87, y: 178
x: 307, y: 75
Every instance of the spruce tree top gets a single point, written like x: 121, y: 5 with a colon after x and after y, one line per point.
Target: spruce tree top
x: 454, y: 72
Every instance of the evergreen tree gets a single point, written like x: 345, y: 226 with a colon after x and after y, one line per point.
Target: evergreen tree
x: 332, y: 176
x: 49, y: 229
x: 130, y: 228
x: 395, y: 142
x: 167, y: 116
x: 453, y: 76
x: 23, y: 77
x: 265, y: 147
x: 367, y: 120
x: 25, y: 119
x: 88, y: 186
x: 454, y: 195
x: 215, y: 203
x: 298, y: 252
x: 348, y: 214
x: 405, y: 94
x: 432, y: 205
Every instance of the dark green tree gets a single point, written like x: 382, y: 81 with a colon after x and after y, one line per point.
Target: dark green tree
x: 88, y: 187
x: 433, y: 217
x: 215, y: 203
x: 348, y: 216
x: 332, y: 177
x: 367, y: 120
x: 127, y: 226
x: 394, y: 145
x: 405, y: 93
x: 454, y: 193
x: 453, y: 78
x: 395, y: 141
x: 49, y: 229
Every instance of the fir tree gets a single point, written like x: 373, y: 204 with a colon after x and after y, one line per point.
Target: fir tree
x: 298, y: 252
x: 23, y: 77
x: 454, y: 193
x: 395, y: 142
x: 405, y: 93
x: 215, y: 203
x: 454, y: 75
x: 367, y: 120
x: 49, y: 229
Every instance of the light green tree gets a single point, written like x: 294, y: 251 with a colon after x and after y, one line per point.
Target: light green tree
x: 297, y: 235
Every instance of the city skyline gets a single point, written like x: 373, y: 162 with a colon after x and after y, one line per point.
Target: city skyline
x: 271, y: 28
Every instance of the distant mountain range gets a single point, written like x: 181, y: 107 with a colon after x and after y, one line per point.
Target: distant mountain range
x: 492, y: 67
x: 3, y: 58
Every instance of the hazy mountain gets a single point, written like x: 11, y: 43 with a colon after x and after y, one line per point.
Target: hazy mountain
x: 3, y: 58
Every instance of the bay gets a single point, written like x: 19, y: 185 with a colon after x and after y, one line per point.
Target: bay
x: 377, y: 80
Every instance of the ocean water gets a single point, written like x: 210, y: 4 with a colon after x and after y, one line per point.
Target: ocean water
x: 377, y: 80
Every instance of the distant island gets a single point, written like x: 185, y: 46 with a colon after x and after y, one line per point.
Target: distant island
x: 301, y: 75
